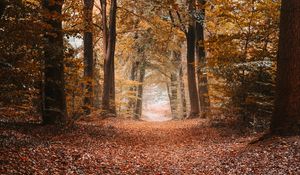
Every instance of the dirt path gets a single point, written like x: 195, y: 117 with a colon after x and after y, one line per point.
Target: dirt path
x: 129, y: 147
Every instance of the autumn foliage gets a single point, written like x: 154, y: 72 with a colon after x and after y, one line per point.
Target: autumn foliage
x: 149, y: 87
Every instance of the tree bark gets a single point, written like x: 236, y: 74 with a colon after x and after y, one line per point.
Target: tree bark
x: 104, y: 30
x: 139, y: 102
x: 286, y: 117
x: 173, y: 88
x: 113, y: 109
x: 192, y: 84
x: 201, y: 63
x: 132, y: 89
x: 108, y: 84
x: 88, y: 55
x: 55, y: 109
x: 97, y: 87
x: 169, y: 95
x: 173, y: 96
x: 182, y: 93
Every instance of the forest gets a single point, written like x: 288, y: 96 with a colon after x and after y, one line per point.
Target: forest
x: 149, y: 87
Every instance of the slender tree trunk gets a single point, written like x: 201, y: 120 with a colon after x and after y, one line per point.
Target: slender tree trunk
x: 172, y: 88
x: 98, y: 88
x: 55, y: 111
x: 192, y: 84
x: 105, y: 104
x: 105, y: 28
x: 108, y: 84
x: 113, y: 109
x: 139, y: 102
x: 88, y: 55
x: 97, y: 92
x: 173, y: 96
x: 286, y: 117
x: 177, y: 86
x: 132, y: 89
x: 201, y: 63
x: 182, y: 93
x: 169, y: 95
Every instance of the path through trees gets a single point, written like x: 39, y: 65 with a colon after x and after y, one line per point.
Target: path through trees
x: 210, y: 66
x: 133, y: 147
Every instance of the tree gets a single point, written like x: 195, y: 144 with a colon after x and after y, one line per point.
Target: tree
x: 182, y: 92
x: 201, y: 61
x: 172, y: 91
x: 192, y: 85
x: 173, y: 88
x: 132, y: 89
x: 109, y: 44
x: 88, y: 54
x: 55, y: 111
x: 20, y: 60
x: 242, y: 47
x: 286, y: 117
x: 139, y: 101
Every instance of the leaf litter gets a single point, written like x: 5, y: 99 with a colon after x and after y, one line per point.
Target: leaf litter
x: 115, y: 146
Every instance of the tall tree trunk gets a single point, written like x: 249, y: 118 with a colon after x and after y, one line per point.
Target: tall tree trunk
x: 108, y: 84
x: 88, y: 55
x: 173, y: 87
x: 97, y: 88
x: 132, y: 89
x: 105, y: 28
x: 105, y: 104
x: 55, y: 110
x: 113, y: 109
x: 139, y: 102
x: 201, y: 63
x: 173, y: 96
x: 169, y: 95
x: 182, y: 93
x: 286, y: 117
x: 192, y: 84
x: 177, y: 86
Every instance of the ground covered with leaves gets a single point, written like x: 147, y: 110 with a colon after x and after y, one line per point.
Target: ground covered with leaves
x: 116, y: 146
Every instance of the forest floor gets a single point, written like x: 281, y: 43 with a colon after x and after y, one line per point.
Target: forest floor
x: 115, y: 146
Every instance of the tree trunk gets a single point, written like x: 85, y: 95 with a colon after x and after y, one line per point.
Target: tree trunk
x: 201, y: 63
x: 55, y: 110
x: 97, y: 88
x: 173, y: 87
x: 192, y: 84
x: 139, y: 102
x: 173, y: 96
x: 286, y: 117
x: 104, y: 25
x: 88, y: 55
x: 108, y: 84
x: 113, y: 109
x: 169, y: 95
x: 182, y: 93
x: 132, y: 89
